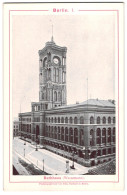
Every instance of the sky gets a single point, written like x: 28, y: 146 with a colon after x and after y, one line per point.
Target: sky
x: 90, y: 42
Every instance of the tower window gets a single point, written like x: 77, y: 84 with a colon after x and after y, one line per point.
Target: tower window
x: 55, y: 96
x: 63, y: 61
x: 45, y: 62
x: 42, y: 96
x: 59, y: 96
x: 49, y: 74
x: 54, y: 74
x: 57, y: 75
x: 63, y: 77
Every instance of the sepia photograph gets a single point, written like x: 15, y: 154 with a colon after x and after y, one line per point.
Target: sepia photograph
x: 64, y: 92
x: 64, y: 70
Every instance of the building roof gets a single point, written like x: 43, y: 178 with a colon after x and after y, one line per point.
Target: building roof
x: 97, y: 102
x: 91, y: 102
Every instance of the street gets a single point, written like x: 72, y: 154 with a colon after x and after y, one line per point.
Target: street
x: 43, y: 159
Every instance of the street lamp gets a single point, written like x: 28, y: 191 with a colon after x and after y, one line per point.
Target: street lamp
x: 36, y: 145
x: 72, y: 167
x: 43, y: 164
x: 24, y: 152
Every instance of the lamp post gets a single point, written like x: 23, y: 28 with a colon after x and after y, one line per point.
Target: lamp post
x: 36, y: 145
x: 24, y: 152
x: 43, y: 164
x: 24, y: 140
x: 73, y: 167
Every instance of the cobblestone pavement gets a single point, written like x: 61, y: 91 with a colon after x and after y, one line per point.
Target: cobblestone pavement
x: 46, y: 160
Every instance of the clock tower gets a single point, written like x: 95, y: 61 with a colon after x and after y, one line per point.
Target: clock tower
x: 52, y: 75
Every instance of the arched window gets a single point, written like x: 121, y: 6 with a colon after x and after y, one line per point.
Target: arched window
x: 52, y: 132
x: 104, y: 136
x: 109, y: 120
x: 104, y: 120
x: 114, y: 120
x: 59, y: 133
x: 52, y: 119
x: 55, y: 132
x: 58, y: 119
x: 54, y: 74
x: 49, y: 119
x: 91, y: 132
x: 75, y: 136
x: 98, y: 132
x: 55, y: 120
x: 92, y: 137
x: 71, y: 120
x: 81, y: 120
x: 75, y: 120
x: 63, y: 77
x: 48, y: 74
x: 114, y: 131
x: 66, y: 134
x: 62, y: 133
x: 55, y: 96
x: 81, y: 137
x: 62, y: 130
x: 103, y: 132
x: 66, y: 120
x: 57, y: 75
x: 109, y: 131
x: 98, y: 120
x: 91, y: 120
x: 71, y: 135
x: 45, y: 62
x: 66, y: 131
x: 62, y: 120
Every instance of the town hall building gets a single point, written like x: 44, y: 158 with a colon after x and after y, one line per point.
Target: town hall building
x: 83, y: 131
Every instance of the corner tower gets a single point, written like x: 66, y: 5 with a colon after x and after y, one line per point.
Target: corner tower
x: 52, y: 75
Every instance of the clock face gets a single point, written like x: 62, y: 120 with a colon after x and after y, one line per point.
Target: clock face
x: 55, y: 60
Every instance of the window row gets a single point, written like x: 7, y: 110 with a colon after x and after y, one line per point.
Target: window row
x: 103, y: 119
x: 76, y: 121
x: 102, y: 132
x: 37, y: 119
x: 66, y: 134
x: 25, y: 127
x: 25, y: 119
x: 65, y: 120
x: 102, y: 136
x: 56, y: 75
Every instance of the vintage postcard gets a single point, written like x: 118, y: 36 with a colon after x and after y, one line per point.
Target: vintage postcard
x: 63, y: 96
